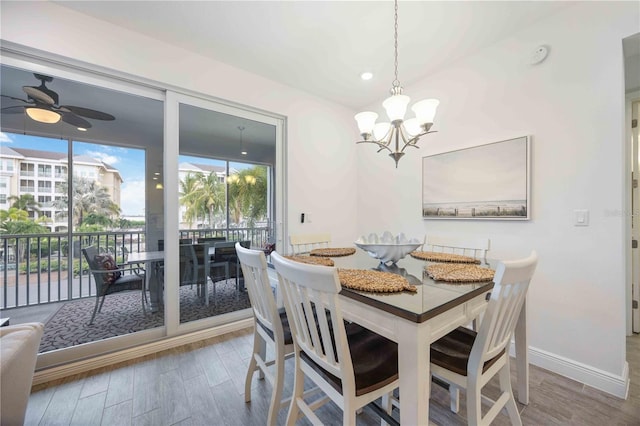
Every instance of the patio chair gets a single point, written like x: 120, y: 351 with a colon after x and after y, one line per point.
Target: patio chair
x: 226, y: 252
x: 110, y: 278
x: 194, y: 268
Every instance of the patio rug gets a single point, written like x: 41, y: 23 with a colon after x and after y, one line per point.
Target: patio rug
x: 122, y: 314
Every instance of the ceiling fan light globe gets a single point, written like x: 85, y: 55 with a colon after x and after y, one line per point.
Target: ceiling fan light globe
x: 43, y: 115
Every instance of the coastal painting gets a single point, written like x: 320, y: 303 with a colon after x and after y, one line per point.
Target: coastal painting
x: 483, y: 182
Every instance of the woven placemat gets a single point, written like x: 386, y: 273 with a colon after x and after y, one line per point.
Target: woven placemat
x: 457, y: 273
x: 333, y: 252
x: 324, y: 261
x: 374, y: 281
x: 443, y: 257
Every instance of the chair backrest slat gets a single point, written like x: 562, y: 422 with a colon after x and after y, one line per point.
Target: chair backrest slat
x: 512, y: 280
x: 254, y: 268
x: 188, y: 265
x: 90, y: 256
x: 304, y: 243
x: 476, y: 248
x: 313, y: 309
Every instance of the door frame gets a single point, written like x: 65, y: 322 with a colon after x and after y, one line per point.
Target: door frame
x: 632, y: 110
x: 173, y: 99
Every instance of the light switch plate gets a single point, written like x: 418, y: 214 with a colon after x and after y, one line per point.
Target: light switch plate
x: 581, y: 217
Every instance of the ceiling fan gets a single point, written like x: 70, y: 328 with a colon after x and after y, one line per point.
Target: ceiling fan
x: 42, y: 105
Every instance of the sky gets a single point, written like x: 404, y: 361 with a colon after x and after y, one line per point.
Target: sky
x: 128, y: 161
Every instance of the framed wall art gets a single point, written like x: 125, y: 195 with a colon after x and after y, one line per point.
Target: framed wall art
x: 483, y: 182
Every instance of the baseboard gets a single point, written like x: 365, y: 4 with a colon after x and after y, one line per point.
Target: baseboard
x: 59, y: 372
x: 594, y: 377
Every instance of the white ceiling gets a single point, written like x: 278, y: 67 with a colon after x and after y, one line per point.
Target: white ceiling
x: 322, y: 47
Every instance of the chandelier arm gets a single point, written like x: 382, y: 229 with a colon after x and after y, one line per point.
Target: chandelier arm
x: 381, y: 145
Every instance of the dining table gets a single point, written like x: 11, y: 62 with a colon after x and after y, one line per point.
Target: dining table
x: 414, y: 320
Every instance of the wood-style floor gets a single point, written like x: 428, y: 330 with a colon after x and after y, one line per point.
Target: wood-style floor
x: 203, y: 384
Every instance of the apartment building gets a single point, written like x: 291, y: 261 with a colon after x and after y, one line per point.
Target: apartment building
x: 43, y: 174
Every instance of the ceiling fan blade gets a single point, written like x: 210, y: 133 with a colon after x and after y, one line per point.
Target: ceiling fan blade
x: 89, y: 113
x: 17, y: 99
x: 74, y: 120
x: 13, y: 110
x: 39, y: 95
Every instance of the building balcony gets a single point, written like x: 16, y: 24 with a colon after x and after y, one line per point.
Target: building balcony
x: 45, y: 278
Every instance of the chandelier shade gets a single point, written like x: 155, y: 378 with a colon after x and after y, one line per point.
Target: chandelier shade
x: 399, y: 134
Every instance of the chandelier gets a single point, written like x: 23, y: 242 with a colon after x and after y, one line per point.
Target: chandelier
x: 398, y: 134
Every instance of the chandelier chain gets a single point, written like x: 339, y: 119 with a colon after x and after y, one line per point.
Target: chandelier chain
x: 396, y: 82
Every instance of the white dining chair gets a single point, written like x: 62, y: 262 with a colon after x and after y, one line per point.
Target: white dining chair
x: 304, y: 243
x: 270, y: 325
x: 476, y: 248
x: 466, y: 359
x: 350, y: 364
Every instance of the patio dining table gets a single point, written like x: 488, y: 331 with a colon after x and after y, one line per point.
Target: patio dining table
x: 153, y: 284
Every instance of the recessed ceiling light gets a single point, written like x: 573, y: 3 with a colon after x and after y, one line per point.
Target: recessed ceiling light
x: 82, y: 129
x: 244, y: 153
x: 366, y: 75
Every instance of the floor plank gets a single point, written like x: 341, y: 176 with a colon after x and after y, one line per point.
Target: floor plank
x: 203, y: 384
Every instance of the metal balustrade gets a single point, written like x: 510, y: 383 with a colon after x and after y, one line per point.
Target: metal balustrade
x: 45, y: 268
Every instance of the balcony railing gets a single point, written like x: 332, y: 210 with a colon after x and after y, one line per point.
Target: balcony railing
x: 45, y: 268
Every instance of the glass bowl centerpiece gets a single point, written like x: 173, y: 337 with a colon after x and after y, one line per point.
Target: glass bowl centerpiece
x: 387, y: 247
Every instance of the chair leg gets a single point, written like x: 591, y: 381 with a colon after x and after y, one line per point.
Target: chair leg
x: 95, y: 310
x: 474, y: 403
x: 349, y: 413
x: 278, y: 384
x: 144, y: 301
x: 252, y: 366
x: 386, y: 406
x: 298, y: 390
x: 454, y: 395
x: 102, y: 302
x: 505, y: 386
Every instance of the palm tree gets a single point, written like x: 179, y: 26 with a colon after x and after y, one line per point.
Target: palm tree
x: 25, y: 202
x: 248, y: 195
x: 88, y: 198
x: 211, y: 196
x: 188, y: 197
x: 16, y: 221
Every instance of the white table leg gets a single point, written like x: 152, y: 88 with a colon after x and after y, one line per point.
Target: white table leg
x: 413, y: 366
x: 522, y: 355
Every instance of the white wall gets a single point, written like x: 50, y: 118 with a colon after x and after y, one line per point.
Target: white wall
x: 573, y: 106
x: 322, y: 179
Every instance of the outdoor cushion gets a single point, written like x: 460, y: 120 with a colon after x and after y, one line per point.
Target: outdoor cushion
x: 105, y: 261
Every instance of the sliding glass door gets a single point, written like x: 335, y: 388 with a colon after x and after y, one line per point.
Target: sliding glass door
x: 225, y: 194
x: 146, y: 170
